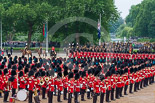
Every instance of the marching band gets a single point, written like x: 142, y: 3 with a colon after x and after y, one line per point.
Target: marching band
x: 91, y: 75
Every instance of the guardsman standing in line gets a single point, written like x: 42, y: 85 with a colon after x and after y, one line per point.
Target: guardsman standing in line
x: 60, y: 86
x: 21, y: 80
x: 108, y: 85
x: 14, y: 83
x: 126, y: 80
x: 131, y: 80
x: 43, y: 84
x: 90, y: 83
x: 118, y: 86
x: 76, y: 87
x: 83, y: 86
x: 30, y: 85
x: 102, y: 88
x: 96, y: 86
x: 113, y: 84
x: 70, y: 87
x: 1, y: 82
x: 5, y: 85
x: 51, y: 89
x: 65, y: 83
x: 122, y: 82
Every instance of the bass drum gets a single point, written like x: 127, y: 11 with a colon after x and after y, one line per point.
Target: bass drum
x: 22, y: 95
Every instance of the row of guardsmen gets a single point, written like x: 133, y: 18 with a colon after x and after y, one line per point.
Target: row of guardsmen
x: 75, y: 82
x: 110, y: 55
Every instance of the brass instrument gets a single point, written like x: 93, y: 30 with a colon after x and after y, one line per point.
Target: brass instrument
x: 35, y: 93
x: 42, y: 82
x: 47, y: 79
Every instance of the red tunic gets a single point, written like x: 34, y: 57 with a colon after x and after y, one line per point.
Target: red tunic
x: 70, y: 87
x: 21, y: 83
x: 30, y: 84
x: 51, y: 85
x: 77, y: 86
x: 108, y: 83
x: 60, y: 85
x: 103, y: 87
x: 96, y: 86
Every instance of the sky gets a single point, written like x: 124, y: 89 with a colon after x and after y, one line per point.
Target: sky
x: 125, y: 5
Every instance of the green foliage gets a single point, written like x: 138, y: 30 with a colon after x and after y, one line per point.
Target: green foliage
x: 142, y: 19
x: 27, y: 16
x: 146, y: 40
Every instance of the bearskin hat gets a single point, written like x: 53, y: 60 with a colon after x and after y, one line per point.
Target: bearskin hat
x: 89, y: 71
x: 113, y: 71
x: 14, y: 67
x: 75, y: 71
x: 37, y: 74
x: 126, y: 70
x: 131, y: 70
x: 77, y: 76
x: 102, y: 77
x: 97, y: 72
x: 21, y: 74
x: 0, y: 72
x: 43, y: 73
x: 59, y: 75
x: 65, y: 72
x: 83, y: 73
x: 20, y: 67
x: 26, y: 70
x: 11, y: 79
x: 107, y: 74
x: 2, y: 66
x: 31, y: 73
x: 13, y: 72
x: 121, y: 72
x: 70, y: 75
x: 5, y: 71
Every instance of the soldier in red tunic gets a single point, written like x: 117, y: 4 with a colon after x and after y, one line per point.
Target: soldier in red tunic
x: 30, y: 85
x: 1, y: 82
x: 50, y: 89
x: 76, y: 87
x: 65, y: 84
x: 96, y: 85
x: 102, y: 88
x: 126, y: 80
x: 108, y: 85
x: 21, y: 80
x: 43, y: 84
x: 14, y: 83
x: 60, y: 86
x: 83, y: 85
x: 5, y: 85
x: 70, y: 87
x: 113, y: 83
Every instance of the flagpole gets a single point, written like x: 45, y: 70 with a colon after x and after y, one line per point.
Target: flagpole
x: 100, y: 30
x: 1, y: 34
x: 47, y: 37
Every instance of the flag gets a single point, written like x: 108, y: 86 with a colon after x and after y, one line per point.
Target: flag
x: 43, y: 29
x: 99, y: 30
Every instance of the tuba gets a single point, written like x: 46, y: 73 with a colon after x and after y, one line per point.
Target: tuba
x: 47, y: 79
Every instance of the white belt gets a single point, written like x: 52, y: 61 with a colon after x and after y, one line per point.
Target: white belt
x: 61, y: 85
x: 119, y: 82
x: 52, y: 85
x: 77, y: 86
x: 97, y: 85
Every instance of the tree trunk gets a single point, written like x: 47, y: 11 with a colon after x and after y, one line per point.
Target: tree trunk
x: 29, y: 36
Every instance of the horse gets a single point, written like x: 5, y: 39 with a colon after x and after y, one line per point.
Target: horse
x: 27, y: 52
x: 53, y: 54
x: 41, y: 52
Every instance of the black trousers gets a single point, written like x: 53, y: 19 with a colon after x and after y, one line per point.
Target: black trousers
x: 125, y: 89
x: 88, y: 93
x: 6, y: 94
x: 141, y: 83
x: 76, y: 97
x: 102, y: 97
x: 30, y: 96
x: 121, y: 89
x: 50, y: 97
x: 107, y: 95
x: 69, y: 97
x: 59, y: 96
x: 118, y: 92
x: 112, y: 94
x: 130, y: 90
x: 55, y: 90
x: 135, y: 87
x: 13, y: 92
x: 95, y: 97
x: 65, y: 93
x: 43, y: 93
x: 82, y: 94
x: 138, y: 85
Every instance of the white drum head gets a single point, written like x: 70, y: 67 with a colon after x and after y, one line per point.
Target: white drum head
x: 21, y: 95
